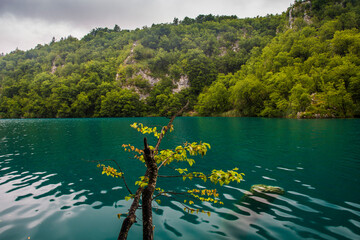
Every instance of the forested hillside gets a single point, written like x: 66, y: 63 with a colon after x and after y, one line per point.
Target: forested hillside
x: 311, y: 70
x: 302, y: 63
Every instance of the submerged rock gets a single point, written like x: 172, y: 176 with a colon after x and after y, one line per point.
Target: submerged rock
x: 264, y: 191
x: 262, y: 188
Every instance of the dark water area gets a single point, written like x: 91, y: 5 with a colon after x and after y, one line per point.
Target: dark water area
x: 49, y: 189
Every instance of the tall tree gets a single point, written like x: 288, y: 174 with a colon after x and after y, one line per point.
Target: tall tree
x: 154, y: 159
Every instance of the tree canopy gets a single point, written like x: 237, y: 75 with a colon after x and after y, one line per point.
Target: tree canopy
x: 149, y: 192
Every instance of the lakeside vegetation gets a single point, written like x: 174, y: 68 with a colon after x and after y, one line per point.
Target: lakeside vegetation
x: 303, y: 63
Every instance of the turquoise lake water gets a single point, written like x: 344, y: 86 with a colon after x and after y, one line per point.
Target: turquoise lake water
x: 48, y: 189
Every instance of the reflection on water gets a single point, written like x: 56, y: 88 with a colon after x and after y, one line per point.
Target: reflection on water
x: 48, y: 189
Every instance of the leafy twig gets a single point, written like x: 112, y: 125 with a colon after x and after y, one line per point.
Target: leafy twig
x: 123, y: 176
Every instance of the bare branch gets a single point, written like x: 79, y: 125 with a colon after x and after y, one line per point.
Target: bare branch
x: 123, y: 175
x: 163, y: 162
x: 165, y: 129
x: 174, y: 193
x: 177, y: 176
x: 170, y: 176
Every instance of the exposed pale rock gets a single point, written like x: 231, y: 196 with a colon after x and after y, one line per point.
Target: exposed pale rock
x: 236, y: 47
x: 137, y: 90
x: 130, y: 58
x: 300, y: 7
x: 222, y: 51
x: 146, y: 75
x: 53, y: 68
x: 183, y: 83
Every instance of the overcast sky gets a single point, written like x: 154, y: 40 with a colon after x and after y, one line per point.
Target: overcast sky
x: 26, y: 23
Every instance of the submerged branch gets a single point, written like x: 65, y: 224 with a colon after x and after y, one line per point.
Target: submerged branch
x: 185, y: 206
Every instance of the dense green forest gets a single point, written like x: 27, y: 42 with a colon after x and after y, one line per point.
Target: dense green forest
x: 304, y: 63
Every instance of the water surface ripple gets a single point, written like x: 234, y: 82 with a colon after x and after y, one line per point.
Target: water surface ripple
x: 49, y: 189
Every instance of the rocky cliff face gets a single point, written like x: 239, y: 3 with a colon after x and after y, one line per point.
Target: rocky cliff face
x: 140, y: 79
x: 300, y: 10
x: 181, y: 84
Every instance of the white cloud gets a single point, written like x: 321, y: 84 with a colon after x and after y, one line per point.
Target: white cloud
x: 27, y: 33
x: 26, y: 23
